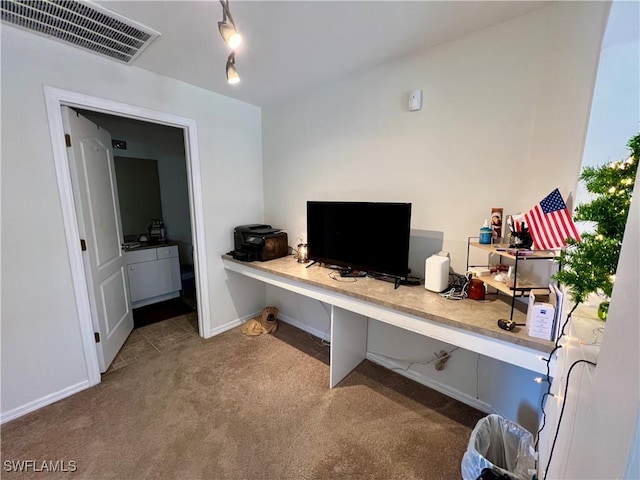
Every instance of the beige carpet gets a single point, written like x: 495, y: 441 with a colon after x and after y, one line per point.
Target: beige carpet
x: 234, y: 407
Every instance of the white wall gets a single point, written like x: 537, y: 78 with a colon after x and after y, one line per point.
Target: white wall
x: 42, y: 356
x: 503, y: 122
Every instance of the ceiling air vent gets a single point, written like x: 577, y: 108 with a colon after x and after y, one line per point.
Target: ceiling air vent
x: 82, y: 24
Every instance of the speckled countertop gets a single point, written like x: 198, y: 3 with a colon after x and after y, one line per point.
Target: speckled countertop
x: 146, y: 245
x: 472, y: 315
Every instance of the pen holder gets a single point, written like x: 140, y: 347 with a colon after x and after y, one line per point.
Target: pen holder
x: 520, y: 239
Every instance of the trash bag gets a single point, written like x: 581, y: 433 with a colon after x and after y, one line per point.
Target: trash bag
x: 501, y: 445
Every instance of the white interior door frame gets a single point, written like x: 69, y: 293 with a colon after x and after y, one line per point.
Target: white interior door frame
x: 54, y: 99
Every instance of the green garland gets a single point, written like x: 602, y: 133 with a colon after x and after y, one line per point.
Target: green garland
x: 590, y: 266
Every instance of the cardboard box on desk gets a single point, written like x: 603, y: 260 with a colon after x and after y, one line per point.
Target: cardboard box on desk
x: 540, y: 319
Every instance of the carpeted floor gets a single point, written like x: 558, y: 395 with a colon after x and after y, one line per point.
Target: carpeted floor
x: 234, y: 407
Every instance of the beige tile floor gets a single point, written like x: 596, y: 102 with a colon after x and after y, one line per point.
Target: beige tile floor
x: 155, y: 339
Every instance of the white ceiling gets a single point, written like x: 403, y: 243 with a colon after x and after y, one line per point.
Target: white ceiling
x: 291, y: 47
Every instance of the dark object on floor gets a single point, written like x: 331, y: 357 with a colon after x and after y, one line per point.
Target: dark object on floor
x: 157, y: 312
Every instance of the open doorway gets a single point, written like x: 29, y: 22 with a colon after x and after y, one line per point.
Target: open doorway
x: 151, y: 177
x: 57, y: 98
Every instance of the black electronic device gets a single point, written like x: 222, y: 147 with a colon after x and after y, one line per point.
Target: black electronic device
x: 507, y: 325
x: 367, y: 236
x: 259, y: 242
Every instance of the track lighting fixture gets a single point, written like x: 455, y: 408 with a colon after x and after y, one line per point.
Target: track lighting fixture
x: 232, y: 73
x: 227, y: 27
x: 232, y: 38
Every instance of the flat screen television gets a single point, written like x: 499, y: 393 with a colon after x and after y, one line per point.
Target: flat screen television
x: 367, y: 236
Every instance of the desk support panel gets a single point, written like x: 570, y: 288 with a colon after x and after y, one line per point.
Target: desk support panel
x: 348, y: 343
x: 483, y: 344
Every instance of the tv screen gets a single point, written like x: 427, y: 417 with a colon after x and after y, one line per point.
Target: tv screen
x: 368, y: 236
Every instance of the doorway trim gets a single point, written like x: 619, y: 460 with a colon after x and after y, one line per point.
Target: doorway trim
x: 54, y: 99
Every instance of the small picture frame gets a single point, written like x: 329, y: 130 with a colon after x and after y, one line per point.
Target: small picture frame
x: 496, y: 224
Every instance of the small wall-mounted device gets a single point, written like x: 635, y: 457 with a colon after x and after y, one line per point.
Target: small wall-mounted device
x: 415, y: 100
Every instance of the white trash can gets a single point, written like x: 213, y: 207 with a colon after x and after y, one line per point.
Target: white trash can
x: 501, y: 445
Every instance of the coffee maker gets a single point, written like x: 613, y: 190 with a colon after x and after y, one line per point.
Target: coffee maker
x: 156, y: 230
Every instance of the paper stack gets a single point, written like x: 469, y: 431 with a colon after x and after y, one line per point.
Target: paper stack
x: 541, y: 319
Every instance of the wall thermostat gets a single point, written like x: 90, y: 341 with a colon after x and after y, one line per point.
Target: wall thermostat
x: 415, y: 100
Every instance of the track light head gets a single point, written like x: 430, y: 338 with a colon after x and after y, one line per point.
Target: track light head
x: 232, y: 73
x: 228, y: 32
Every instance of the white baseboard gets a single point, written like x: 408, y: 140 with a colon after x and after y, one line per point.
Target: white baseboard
x: 437, y: 386
x: 73, y: 389
x: 232, y: 324
x: 43, y: 402
x: 326, y: 336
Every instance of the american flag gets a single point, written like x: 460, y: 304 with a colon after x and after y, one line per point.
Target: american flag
x: 550, y: 223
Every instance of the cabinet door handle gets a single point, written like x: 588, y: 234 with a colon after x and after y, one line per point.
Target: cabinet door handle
x: 131, y: 268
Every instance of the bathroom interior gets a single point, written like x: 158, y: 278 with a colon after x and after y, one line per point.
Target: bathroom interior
x: 151, y: 174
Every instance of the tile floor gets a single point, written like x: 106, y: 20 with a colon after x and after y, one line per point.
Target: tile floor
x: 154, y: 339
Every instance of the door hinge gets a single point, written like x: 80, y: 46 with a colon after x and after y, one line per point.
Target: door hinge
x: 67, y: 139
x: 97, y: 336
x: 83, y: 245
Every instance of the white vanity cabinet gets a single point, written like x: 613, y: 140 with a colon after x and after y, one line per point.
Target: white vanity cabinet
x: 153, y: 274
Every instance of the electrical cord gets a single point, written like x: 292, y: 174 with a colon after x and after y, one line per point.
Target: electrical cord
x: 446, y: 355
x: 322, y: 342
x: 547, y: 379
x: 335, y: 276
x: 293, y: 252
x: 478, y: 377
x: 595, y: 337
x: 458, y: 285
x: 564, y: 402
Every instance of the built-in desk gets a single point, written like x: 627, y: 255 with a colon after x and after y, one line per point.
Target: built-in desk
x: 469, y: 324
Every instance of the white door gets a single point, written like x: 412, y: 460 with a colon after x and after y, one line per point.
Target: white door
x: 96, y: 201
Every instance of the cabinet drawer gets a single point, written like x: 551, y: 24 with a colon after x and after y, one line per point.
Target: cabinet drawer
x: 167, y: 252
x: 137, y: 256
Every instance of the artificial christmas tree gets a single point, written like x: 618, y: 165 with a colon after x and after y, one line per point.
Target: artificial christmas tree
x: 590, y: 265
